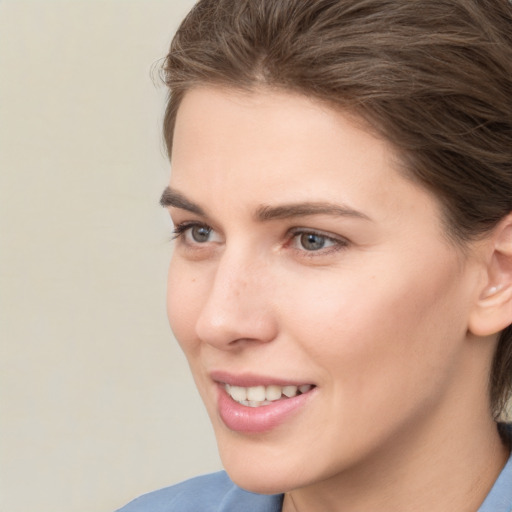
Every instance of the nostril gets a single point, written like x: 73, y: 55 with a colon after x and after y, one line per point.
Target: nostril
x: 236, y: 327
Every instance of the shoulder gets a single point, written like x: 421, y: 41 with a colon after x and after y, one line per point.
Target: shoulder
x: 208, y: 493
x: 204, y: 491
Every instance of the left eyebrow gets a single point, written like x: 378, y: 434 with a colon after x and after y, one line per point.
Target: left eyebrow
x: 286, y: 211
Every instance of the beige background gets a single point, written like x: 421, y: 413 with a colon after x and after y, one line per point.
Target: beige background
x: 96, y: 404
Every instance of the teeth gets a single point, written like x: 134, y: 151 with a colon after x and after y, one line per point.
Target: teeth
x: 273, y: 393
x: 237, y: 393
x: 255, y: 396
x: 290, y: 391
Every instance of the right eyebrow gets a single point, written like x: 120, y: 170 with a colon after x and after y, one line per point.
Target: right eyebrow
x: 171, y: 197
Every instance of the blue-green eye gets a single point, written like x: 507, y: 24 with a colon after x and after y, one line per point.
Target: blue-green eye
x: 312, y: 241
x: 200, y: 234
x: 195, y: 233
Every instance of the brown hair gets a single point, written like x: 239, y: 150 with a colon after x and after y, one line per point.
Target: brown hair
x: 434, y: 78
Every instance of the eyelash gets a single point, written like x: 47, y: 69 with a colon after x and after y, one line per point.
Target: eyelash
x: 180, y: 229
x: 338, y: 243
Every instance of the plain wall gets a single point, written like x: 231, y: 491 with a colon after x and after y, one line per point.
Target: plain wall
x: 96, y: 402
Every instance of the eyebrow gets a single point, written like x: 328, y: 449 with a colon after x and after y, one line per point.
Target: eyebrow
x: 171, y: 197
x: 175, y: 199
x: 286, y: 211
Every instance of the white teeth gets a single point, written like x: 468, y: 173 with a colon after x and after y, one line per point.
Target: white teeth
x: 273, y: 393
x: 289, y: 391
x: 238, y: 393
x: 255, y: 396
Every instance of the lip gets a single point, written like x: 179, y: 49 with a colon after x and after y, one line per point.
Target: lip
x: 248, y: 380
x: 244, y: 419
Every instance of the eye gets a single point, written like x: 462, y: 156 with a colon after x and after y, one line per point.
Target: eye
x: 195, y: 233
x: 200, y: 234
x: 312, y: 241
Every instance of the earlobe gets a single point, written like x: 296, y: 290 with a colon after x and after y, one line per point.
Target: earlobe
x: 492, y: 311
x: 492, y: 290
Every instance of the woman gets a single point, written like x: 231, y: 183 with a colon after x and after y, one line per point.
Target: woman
x: 341, y: 284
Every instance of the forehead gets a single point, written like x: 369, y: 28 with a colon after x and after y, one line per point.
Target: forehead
x: 267, y: 128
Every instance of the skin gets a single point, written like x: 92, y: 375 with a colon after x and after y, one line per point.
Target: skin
x: 378, y: 318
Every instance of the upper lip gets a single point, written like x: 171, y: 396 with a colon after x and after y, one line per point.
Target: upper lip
x: 247, y: 380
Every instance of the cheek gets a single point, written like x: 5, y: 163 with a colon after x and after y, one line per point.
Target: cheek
x: 183, y: 304
x: 381, y: 327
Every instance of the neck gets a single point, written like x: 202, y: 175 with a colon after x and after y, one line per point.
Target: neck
x: 426, y: 472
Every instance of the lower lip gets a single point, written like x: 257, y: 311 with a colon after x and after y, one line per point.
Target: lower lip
x: 241, y: 418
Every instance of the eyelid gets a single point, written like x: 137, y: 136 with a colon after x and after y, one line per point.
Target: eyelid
x: 338, y: 242
x: 182, y: 228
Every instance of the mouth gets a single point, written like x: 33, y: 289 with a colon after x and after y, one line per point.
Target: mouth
x: 255, y: 404
x: 261, y: 396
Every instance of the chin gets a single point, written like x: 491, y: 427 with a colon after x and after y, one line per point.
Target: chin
x: 257, y: 468
x: 261, y: 482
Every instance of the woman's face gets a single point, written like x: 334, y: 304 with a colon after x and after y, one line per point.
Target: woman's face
x: 303, y: 258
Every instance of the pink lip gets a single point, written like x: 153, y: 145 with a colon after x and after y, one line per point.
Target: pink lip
x: 241, y: 418
x: 247, y: 380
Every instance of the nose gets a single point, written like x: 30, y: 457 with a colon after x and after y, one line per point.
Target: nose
x: 238, y: 308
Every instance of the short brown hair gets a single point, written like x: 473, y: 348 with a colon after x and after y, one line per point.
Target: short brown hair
x: 433, y: 78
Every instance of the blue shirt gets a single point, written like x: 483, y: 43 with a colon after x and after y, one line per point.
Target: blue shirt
x: 217, y: 493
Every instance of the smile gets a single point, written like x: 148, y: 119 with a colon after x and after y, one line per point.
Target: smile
x: 257, y: 396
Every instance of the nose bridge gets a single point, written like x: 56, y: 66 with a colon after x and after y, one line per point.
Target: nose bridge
x: 234, y: 272
x: 238, y: 305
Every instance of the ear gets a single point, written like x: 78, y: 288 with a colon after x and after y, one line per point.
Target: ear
x: 493, y: 310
